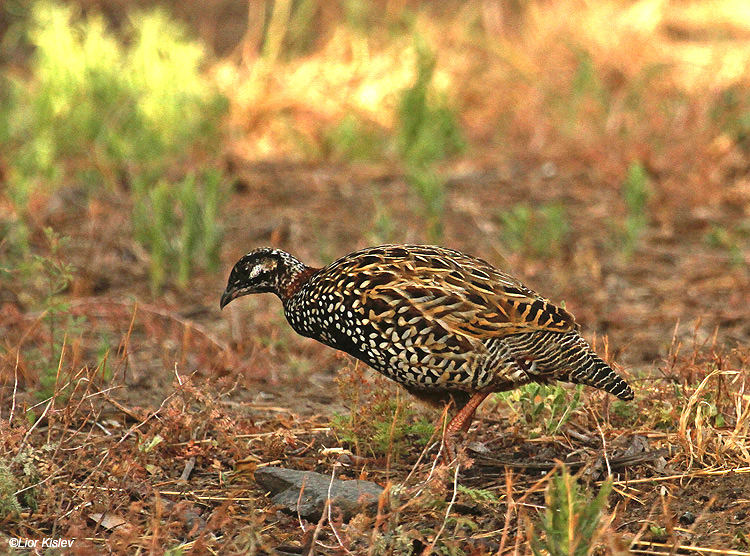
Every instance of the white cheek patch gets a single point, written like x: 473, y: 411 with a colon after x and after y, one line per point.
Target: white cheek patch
x: 269, y: 265
x: 255, y: 271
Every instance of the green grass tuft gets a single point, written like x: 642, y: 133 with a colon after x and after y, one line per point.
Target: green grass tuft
x: 428, y: 132
x: 378, y: 423
x: 48, y: 276
x: 571, y: 520
x: 636, y: 190
x: 9, y: 505
x: 539, y: 232
x: 104, y: 111
x: 179, y: 225
x: 544, y: 407
x: 355, y: 140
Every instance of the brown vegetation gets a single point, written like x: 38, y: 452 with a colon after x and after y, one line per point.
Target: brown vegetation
x: 615, y: 131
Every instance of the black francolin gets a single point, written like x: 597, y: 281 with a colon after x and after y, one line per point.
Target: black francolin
x: 447, y: 326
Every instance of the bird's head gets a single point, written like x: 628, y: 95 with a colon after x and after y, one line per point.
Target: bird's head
x: 260, y: 271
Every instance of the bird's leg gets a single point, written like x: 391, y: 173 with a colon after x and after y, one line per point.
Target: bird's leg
x: 460, y: 423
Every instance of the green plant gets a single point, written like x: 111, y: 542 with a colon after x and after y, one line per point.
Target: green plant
x: 546, y: 407
x: 625, y: 412
x: 387, y: 429
x: 636, y: 191
x: 384, y: 227
x: 582, y: 100
x: 146, y: 447
x: 741, y: 540
x: 25, y: 473
x: 586, y: 87
x: 731, y: 111
x: 395, y: 540
x: 302, y: 33
x: 9, y: 505
x: 267, y: 36
x: 571, y: 520
x: 50, y: 275
x: 378, y: 423
x: 479, y: 494
x: 103, y: 111
x: 353, y: 139
x: 658, y: 531
x: 428, y: 132
x: 730, y: 241
x: 133, y: 108
x: 104, y: 345
x: 540, y: 232
x: 179, y: 225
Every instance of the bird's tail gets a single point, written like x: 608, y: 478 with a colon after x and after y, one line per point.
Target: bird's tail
x: 593, y: 371
x: 566, y: 356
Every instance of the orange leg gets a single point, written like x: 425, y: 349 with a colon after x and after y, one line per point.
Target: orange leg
x: 461, y: 422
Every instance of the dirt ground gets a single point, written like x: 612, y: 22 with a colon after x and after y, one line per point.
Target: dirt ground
x: 171, y: 404
x: 224, y: 387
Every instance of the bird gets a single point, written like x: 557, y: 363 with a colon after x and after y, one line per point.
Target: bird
x: 449, y: 327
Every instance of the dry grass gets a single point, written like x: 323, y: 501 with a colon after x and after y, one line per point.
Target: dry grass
x: 121, y: 422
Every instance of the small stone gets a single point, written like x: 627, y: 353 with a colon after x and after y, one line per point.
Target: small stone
x: 479, y: 448
x: 688, y: 518
x: 347, y: 497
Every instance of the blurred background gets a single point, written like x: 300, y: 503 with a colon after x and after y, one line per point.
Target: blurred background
x: 596, y: 150
x: 599, y: 151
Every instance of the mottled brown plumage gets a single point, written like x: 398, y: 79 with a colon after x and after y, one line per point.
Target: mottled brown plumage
x: 443, y: 324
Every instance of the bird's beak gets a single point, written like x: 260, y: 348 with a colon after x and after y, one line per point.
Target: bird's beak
x: 227, y: 296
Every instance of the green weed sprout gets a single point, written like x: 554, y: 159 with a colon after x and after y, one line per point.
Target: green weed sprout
x: 9, y: 505
x: 636, y: 191
x: 571, y: 520
x: 545, y: 406
x: 428, y: 132
x: 541, y: 232
x: 179, y: 225
x: 104, y: 111
x: 54, y: 275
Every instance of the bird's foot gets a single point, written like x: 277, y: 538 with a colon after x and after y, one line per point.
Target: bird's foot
x: 448, y: 450
x: 453, y: 452
x: 460, y: 424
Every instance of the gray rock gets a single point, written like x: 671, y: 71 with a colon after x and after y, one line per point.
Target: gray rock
x: 349, y: 497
